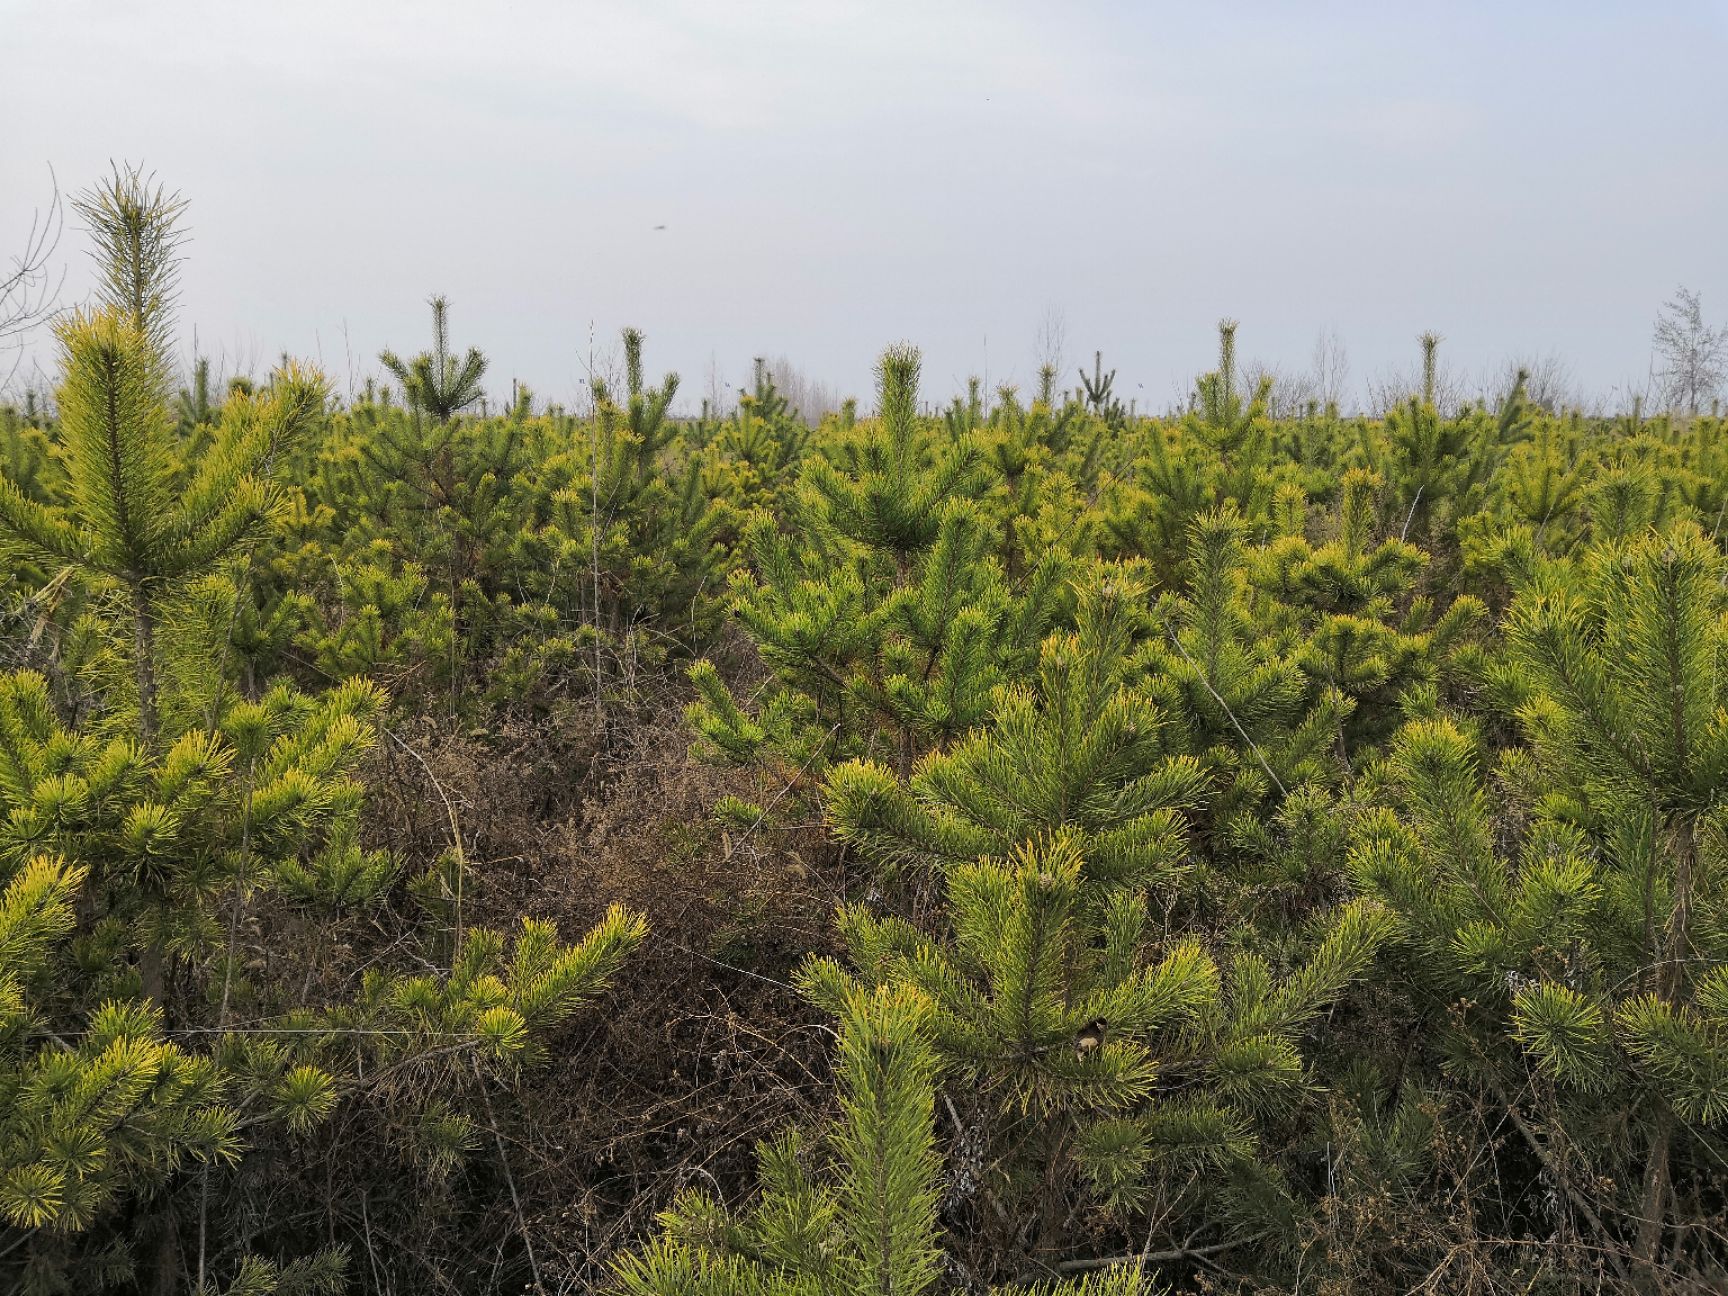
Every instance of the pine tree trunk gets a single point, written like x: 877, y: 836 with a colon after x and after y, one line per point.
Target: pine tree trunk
x: 152, y: 970
x: 1652, y: 1213
x: 1671, y: 964
x: 1052, y: 1198
x: 166, y: 1266
x: 153, y: 975
x: 144, y: 661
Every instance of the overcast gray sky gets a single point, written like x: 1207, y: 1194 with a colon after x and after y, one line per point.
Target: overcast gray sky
x: 1524, y: 177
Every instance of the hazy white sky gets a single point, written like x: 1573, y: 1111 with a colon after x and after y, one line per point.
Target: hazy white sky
x: 1524, y: 177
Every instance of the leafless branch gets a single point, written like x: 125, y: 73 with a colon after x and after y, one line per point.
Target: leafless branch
x: 29, y: 286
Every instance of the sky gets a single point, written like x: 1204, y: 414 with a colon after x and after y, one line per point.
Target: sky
x: 1527, y: 177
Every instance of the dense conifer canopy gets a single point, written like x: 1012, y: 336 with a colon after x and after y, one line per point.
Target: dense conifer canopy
x: 1029, y: 848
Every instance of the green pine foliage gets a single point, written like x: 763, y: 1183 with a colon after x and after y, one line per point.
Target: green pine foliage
x: 436, y: 382
x: 524, y: 559
x: 185, y: 877
x: 1267, y: 848
x: 1060, y: 831
x: 858, y: 1215
x: 854, y: 1212
x: 1577, y: 934
x: 888, y: 604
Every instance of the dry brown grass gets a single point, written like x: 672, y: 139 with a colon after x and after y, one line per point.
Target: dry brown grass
x: 702, y: 1049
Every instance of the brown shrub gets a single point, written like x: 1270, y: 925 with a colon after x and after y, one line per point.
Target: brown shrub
x: 702, y: 1048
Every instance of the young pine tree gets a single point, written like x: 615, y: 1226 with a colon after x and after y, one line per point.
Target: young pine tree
x: 855, y: 1214
x: 1057, y: 836
x: 157, y: 855
x: 1574, y: 942
x: 436, y: 381
x: 883, y: 610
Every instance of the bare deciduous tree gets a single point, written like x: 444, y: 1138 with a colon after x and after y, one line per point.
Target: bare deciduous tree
x: 1288, y: 394
x: 29, y: 287
x: 1329, y: 369
x: 1433, y: 380
x: 1694, y: 355
x: 720, y: 400
x: 1324, y: 382
x: 1050, y: 345
x: 809, y: 397
x: 1548, y: 382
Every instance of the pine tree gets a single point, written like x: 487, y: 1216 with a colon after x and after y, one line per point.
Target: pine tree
x: 868, y: 1225
x: 1588, y: 950
x: 196, y: 408
x: 1096, y: 391
x: 856, y: 1215
x: 1369, y: 633
x: 155, y: 850
x: 1545, y: 475
x: 1233, y: 428
x: 1438, y: 465
x: 757, y: 451
x: 1057, y: 832
x: 884, y: 612
x: 1219, y: 453
x: 649, y: 524
x: 136, y: 517
x: 436, y: 381
x: 1219, y: 670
